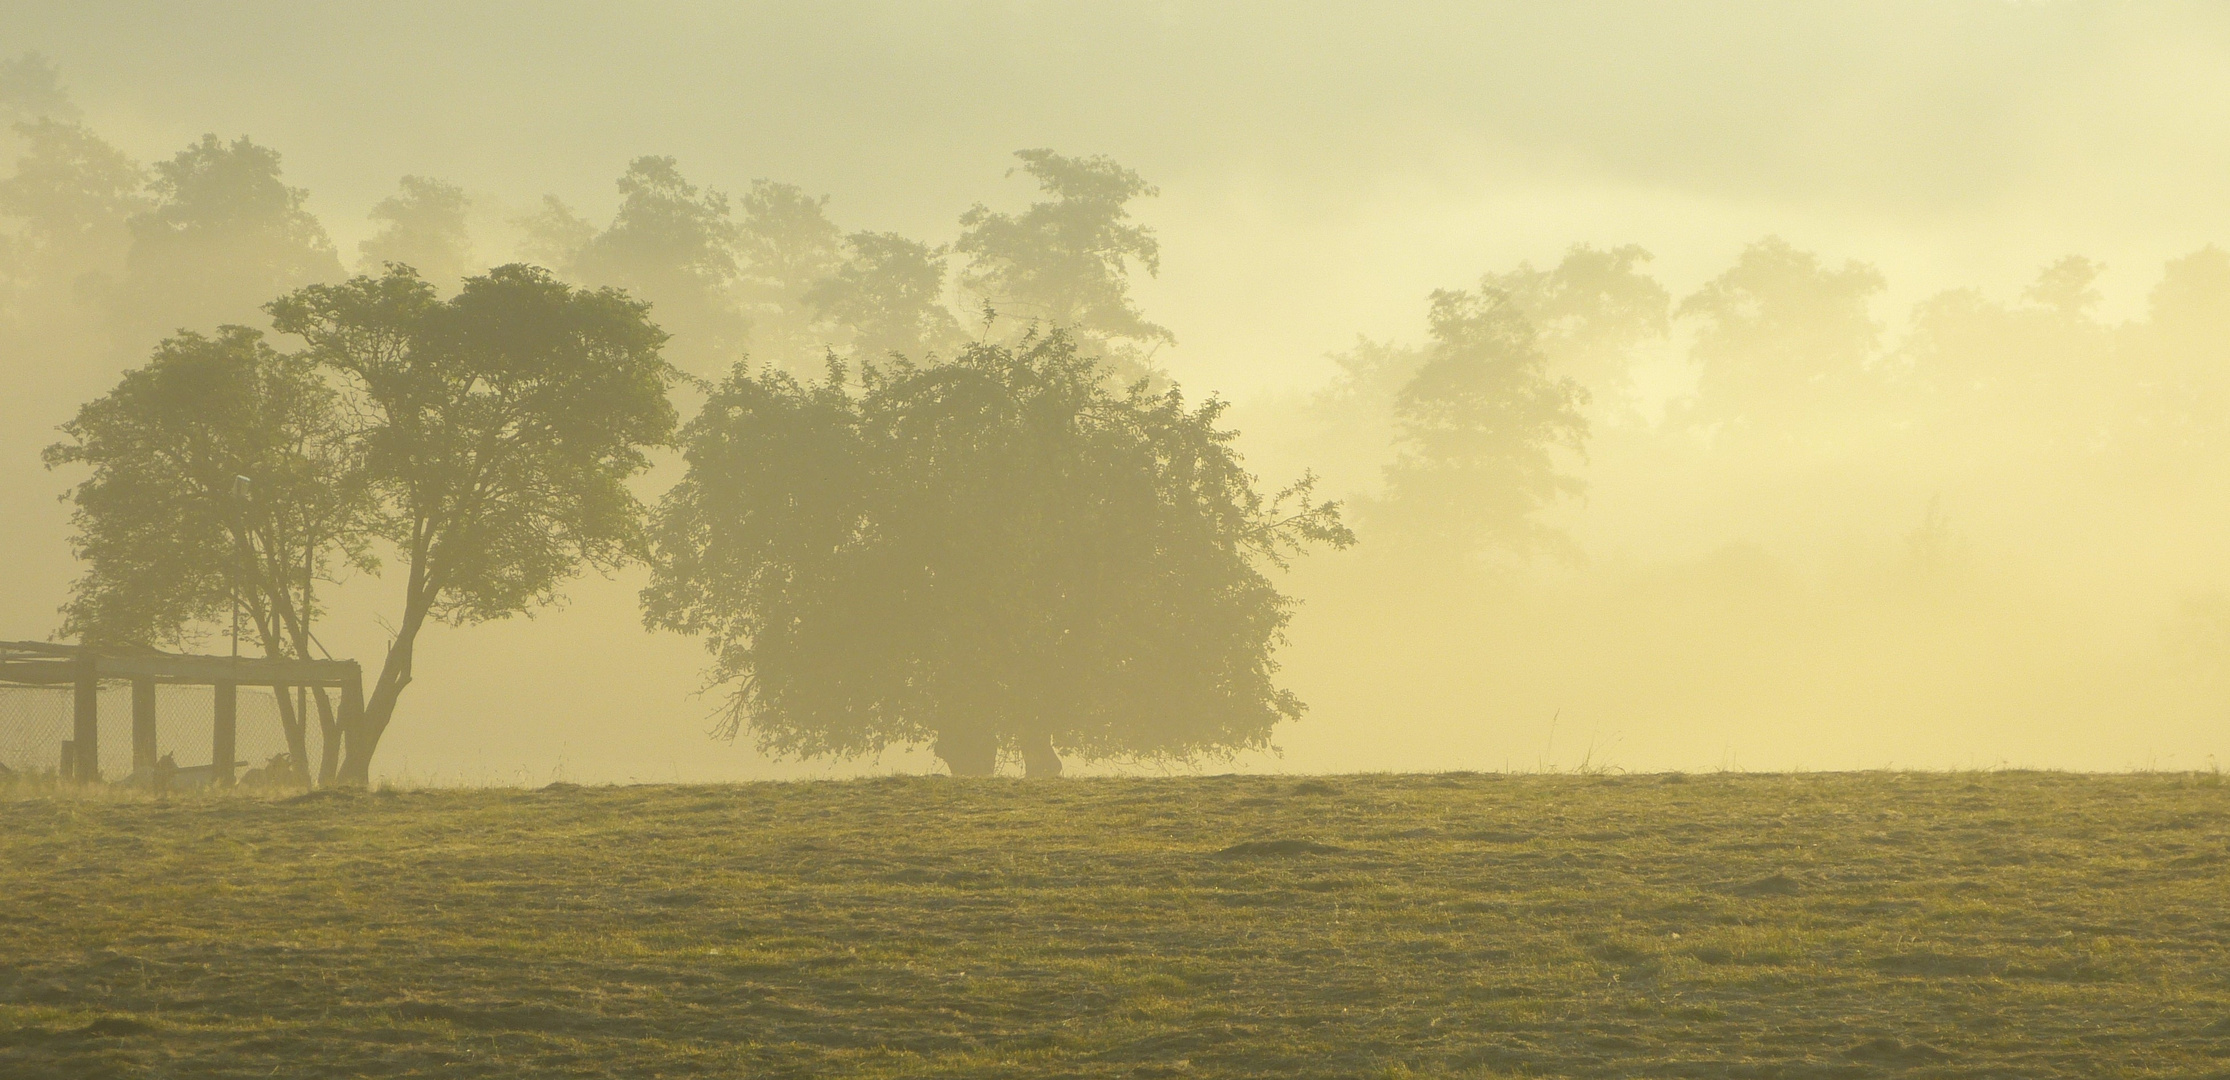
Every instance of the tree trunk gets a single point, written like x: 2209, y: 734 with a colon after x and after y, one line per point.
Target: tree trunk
x: 296, y: 726
x: 968, y: 753
x: 1039, y: 760
x: 394, y: 675
x: 328, y: 740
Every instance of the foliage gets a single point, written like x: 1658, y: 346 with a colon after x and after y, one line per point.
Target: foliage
x: 990, y: 552
x: 1067, y: 260
x: 31, y: 90
x: 168, y: 535
x: 785, y: 245
x: 1592, y: 311
x: 1784, y: 338
x: 674, y: 246
x: 225, y: 234
x: 889, y: 293
x: 500, y: 429
x: 1478, y: 429
x: 224, y: 482
x: 422, y: 226
x: 71, y: 195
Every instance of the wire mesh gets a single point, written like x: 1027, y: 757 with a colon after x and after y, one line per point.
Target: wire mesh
x: 35, y: 720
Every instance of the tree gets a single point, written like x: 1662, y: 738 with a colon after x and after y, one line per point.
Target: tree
x: 225, y: 234
x: 554, y: 235
x: 501, y: 427
x: 889, y: 294
x: 71, y: 197
x: 1593, y: 311
x: 422, y: 226
x: 674, y: 246
x: 1067, y: 260
x: 1784, y: 339
x: 1477, y: 431
x: 223, y: 481
x: 31, y: 89
x: 991, y: 554
x: 786, y: 246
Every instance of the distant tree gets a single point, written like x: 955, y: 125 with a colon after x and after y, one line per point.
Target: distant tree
x: 501, y: 428
x: 31, y: 90
x: 990, y: 554
x: 674, y: 246
x: 554, y: 235
x: 1977, y: 378
x: 1783, y: 339
x: 2178, y: 360
x: 1067, y: 261
x: 225, y: 234
x: 1477, y: 432
x: 1592, y: 311
x: 786, y: 246
x: 69, y: 200
x: 889, y: 294
x: 223, y: 478
x: 422, y: 226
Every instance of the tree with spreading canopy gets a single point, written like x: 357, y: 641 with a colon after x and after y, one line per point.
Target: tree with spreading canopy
x: 992, y: 554
x: 223, y: 478
x: 499, y: 430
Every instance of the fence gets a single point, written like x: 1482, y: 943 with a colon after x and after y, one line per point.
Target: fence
x: 36, y: 720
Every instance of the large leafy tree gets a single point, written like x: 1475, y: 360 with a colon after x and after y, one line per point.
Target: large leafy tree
x: 991, y: 554
x: 500, y: 429
x: 223, y: 479
x: 224, y: 235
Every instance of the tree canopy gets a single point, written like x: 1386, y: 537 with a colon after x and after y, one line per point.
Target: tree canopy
x: 990, y: 554
x: 500, y: 429
x: 223, y: 479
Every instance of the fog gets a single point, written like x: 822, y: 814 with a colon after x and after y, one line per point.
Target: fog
x: 1872, y: 475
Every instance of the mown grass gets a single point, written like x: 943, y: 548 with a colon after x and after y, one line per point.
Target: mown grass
x: 1833, y: 925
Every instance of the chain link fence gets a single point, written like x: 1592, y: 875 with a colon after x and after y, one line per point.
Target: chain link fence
x: 36, y: 720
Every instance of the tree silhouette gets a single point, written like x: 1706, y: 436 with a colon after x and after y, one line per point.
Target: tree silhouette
x: 991, y: 554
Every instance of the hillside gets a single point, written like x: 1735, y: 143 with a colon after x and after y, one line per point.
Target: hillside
x: 2029, y: 924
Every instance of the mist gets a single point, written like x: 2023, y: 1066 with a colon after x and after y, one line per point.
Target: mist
x: 1896, y: 338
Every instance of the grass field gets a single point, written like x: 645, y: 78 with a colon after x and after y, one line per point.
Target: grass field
x: 1831, y: 925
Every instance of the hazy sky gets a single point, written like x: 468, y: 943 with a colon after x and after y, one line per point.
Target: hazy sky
x: 1323, y: 167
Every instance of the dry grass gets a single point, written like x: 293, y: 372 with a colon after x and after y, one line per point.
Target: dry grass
x: 2001, y: 924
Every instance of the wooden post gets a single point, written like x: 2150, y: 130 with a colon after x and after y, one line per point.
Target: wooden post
x: 143, y: 727
x: 86, y: 717
x: 228, y: 720
x: 352, y: 710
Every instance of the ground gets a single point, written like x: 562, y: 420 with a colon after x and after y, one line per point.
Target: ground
x: 1832, y: 925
